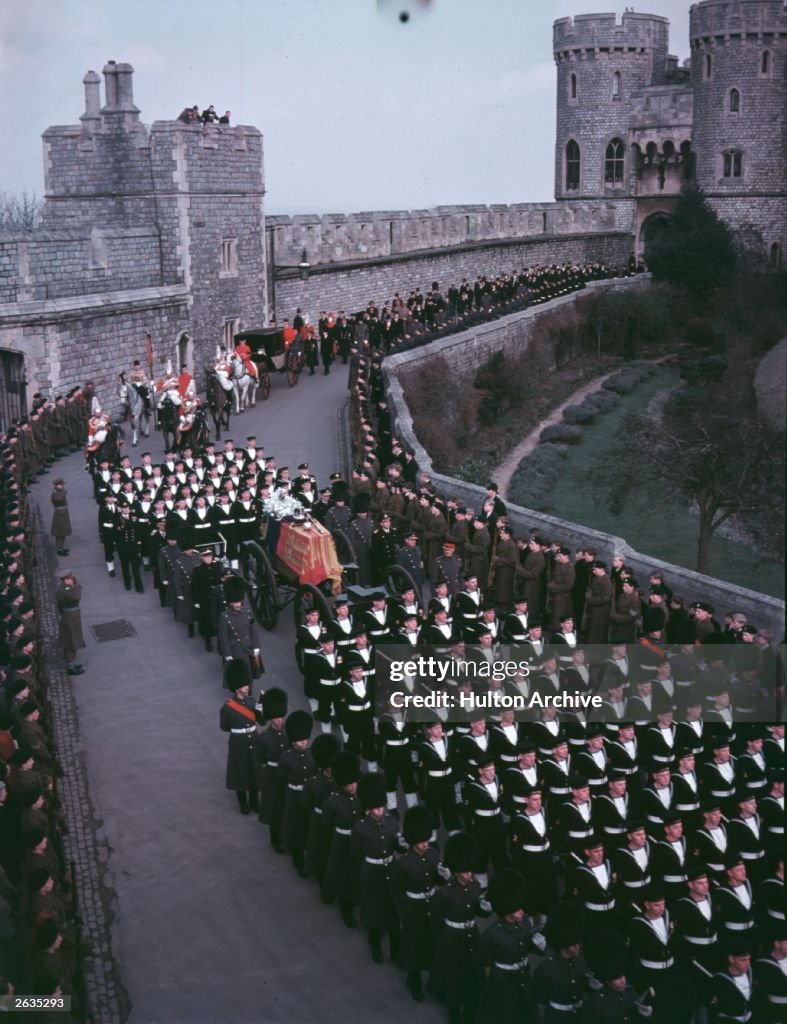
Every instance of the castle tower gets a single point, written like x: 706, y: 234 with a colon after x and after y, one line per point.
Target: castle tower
x: 601, y: 64
x: 739, y: 80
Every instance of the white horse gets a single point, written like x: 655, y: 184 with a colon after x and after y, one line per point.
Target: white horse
x: 244, y: 386
x: 139, y: 410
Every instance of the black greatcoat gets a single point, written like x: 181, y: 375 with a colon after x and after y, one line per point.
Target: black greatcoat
x: 414, y: 879
x: 295, y: 768
x: 318, y: 844
x: 456, y: 973
x: 240, y: 750
x: 506, y: 997
x: 373, y: 841
x: 269, y: 747
x: 341, y: 881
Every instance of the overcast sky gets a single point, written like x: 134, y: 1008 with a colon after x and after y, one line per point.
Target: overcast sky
x: 359, y: 110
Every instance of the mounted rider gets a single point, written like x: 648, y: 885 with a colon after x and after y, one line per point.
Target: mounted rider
x: 223, y: 368
x: 243, y: 352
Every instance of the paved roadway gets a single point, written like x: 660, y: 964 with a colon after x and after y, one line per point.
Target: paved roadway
x: 211, y: 925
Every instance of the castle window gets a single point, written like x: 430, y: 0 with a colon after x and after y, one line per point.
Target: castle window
x: 708, y: 65
x: 732, y: 164
x: 614, y: 162
x: 572, y: 166
x: 572, y: 86
x: 616, y: 86
x: 765, y: 63
x: 775, y: 258
x: 229, y: 257
x: 231, y: 328
x: 735, y: 101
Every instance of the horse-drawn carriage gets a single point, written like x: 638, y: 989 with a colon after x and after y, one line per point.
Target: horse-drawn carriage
x: 271, y: 356
x: 302, y: 564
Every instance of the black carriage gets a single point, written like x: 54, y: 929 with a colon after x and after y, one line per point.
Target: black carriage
x: 270, y: 356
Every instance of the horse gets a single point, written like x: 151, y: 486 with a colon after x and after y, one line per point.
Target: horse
x: 198, y: 434
x: 108, y: 449
x: 138, y: 398
x: 219, y: 403
x: 244, y: 386
x: 168, y: 417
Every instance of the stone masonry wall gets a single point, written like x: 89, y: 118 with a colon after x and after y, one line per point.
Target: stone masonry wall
x: 466, y: 352
x: 352, y: 289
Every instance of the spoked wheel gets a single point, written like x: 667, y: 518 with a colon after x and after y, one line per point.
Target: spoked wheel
x: 308, y: 597
x: 265, y: 385
x: 261, y: 580
x: 399, y: 579
x: 345, y: 552
x: 293, y: 369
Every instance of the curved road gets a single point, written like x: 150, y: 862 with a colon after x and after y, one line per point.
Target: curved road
x: 211, y: 925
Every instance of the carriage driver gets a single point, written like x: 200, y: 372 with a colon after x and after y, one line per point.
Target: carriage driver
x: 243, y: 352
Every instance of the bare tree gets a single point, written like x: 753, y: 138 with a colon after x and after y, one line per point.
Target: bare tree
x: 20, y: 213
x: 710, y: 451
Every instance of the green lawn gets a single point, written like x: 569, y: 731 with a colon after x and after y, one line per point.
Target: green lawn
x: 668, y: 533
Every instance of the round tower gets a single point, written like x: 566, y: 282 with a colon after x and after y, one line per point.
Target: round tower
x: 738, y: 59
x: 601, y: 63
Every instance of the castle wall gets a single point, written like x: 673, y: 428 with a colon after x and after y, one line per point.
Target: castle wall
x: 350, y: 289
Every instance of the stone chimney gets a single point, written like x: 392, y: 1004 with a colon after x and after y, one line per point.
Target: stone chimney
x: 110, y: 86
x: 92, y: 115
x: 119, y: 110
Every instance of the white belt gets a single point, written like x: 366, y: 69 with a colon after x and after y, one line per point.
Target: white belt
x: 663, y: 758
x: 377, y: 632
x: 486, y: 813
x: 674, y: 878
x: 778, y: 1000
x: 343, y: 831
x: 702, y: 940
x: 330, y: 682
x: 721, y: 792
x: 427, y: 895
x: 245, y: 731
x: 658, y: 965
x: 512, y: 967
x: 512, y: 758
x: 310, y: 650
x: 777, y: 915
x: 655, y: 820
x: 359, y: 707
x: 639, y: 884
x: 581, y: 835
x: 628, y: 771
x: 535, y: 849
x: 611, y: 831
x: 565, y: 1007
x: 776, y: 830
x: 439, y: 773
x: 600, y: 906
x: 738, y: 926
x: 272, y: 764
x: 753, y: 854
x: 687, y: 807
x: 461, y: 925
x: 378, y: 861
x: 317, y: 810
x: 757, y: 784
x: 292, y: 785
x: 714, y: 867
x: 396, y: 743
x: 559, y: 790
x: 741, y: 1020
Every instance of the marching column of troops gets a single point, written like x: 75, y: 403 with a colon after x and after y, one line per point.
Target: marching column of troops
x: 661, y: 822
x: 40, y: 944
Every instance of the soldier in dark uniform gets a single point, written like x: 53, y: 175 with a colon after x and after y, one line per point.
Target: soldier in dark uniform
x: 384, y: 548
x: 482, y: 795
x: 296, y: 767
x: 560, y: 981
x: 770, y: 978
x: 340, y: 811
x: 651, y: 936
x: 373, y: 843
x: 414, y: 878
x: 409, y: 557
x: 268, y: 749
x: 355, y: 703
x: 324, y: 749
x: 507, y: 996
x: 733, y: 987
x: 239, y: 633
x: 696, y: 934
x: 616, y: 1001
x: 107, y: 523
x: 436, y: 763
x: 398, y: 740
x: 447, y: 568
x: 238, y: 718
x: 204, y: 580
x: 477, y: 551
x: 456, y: 974
x: 185, y: 564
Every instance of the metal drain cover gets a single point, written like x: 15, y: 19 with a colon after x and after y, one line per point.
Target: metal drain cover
x: 114, y: 630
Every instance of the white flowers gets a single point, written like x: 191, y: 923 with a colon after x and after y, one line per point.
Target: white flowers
x: 280, y: 505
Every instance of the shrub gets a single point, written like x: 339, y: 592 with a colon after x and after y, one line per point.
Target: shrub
x: 562, y: 433
x: 601, y: 401
x: 579, y: 414
x: 620, y: 384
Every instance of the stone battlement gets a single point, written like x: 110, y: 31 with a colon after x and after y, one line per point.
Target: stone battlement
x: 600, y: 31
x: 720, y: 21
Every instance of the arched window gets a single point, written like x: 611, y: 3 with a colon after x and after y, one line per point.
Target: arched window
x: 775, y: 259
x: 735, y: 101
x: 572, y: 86
x: 572, y: 166
x: 616, y: 86
x: 614, y: 163
x: 708, y: 66
x: 765, y: 62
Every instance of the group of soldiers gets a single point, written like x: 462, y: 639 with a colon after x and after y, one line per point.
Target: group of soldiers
x: 51, y: 430
x: 39, y: 929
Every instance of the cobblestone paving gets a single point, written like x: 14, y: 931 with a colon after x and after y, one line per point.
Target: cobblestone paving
x: 87, y: 852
